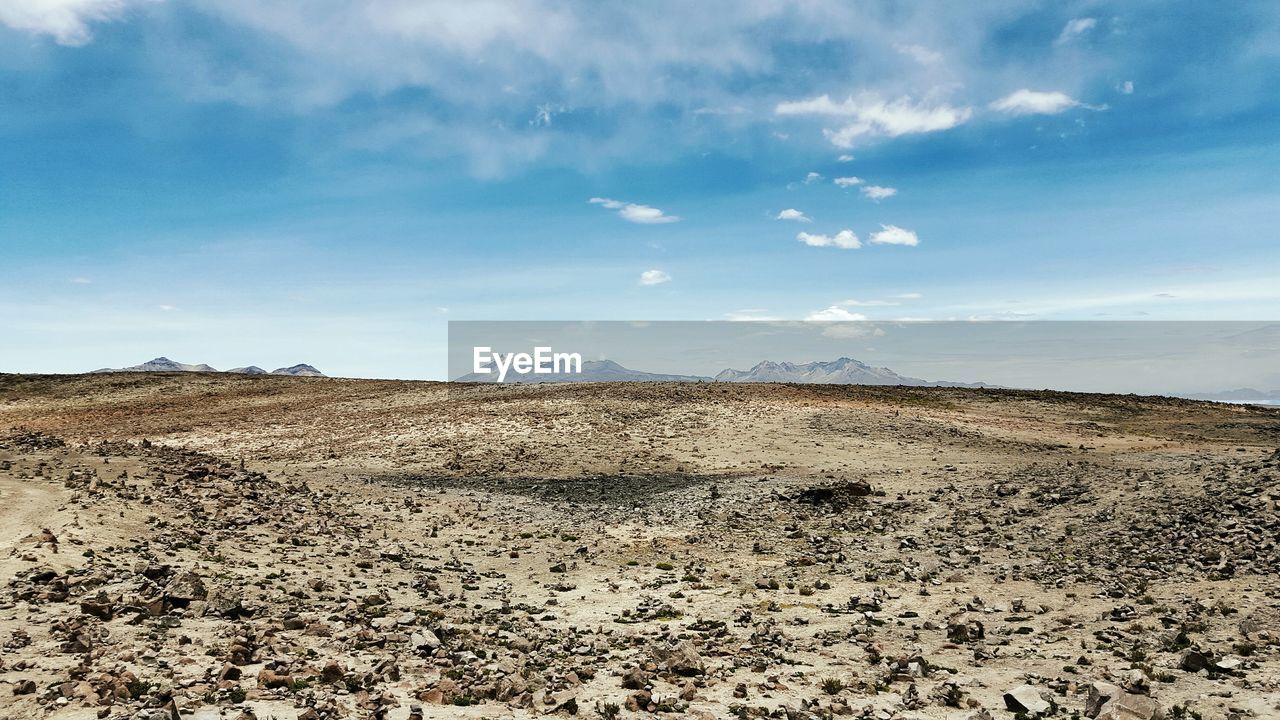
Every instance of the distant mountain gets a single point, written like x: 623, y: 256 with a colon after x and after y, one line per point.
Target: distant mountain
x: 592, y: 371
x: 299, y: 370
x: 164, y: 364
x: 1239, y: 395
x: 160, y: 364
x: 844, y: 371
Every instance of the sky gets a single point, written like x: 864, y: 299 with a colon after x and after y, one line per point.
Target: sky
x: 268, y: 182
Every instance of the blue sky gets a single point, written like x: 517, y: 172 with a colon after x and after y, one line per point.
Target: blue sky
x: 246, y: 181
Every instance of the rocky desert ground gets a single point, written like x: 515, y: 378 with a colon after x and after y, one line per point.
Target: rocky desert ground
x: 192, y: 545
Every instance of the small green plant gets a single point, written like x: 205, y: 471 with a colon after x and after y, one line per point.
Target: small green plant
x: 832, y: 686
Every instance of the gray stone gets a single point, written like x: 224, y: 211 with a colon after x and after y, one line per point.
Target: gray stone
x: 1127, y: 706
x: 1100, y: 693
x: 1028, y: 699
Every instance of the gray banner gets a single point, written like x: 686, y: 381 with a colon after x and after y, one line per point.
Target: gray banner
x: 1232, y: 361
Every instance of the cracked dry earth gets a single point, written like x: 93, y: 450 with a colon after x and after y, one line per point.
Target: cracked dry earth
x: 208, y: 546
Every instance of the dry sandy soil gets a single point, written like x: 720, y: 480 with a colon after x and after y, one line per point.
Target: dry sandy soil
x: 213, y: 546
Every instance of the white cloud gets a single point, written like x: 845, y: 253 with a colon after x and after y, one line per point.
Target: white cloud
x: 845, y: 240
x: 812, y: 178
x: 654, y: 277
x: 909, y: 296
x: 487, y: 64
x: 845, y: 158
x: 835, y: 313
x: 1034, y: 102
x: 544, y: 113
x: 919, y: 53
x: 646, y: 215
x: 894, y: 235
x: 1075, y: 28
x: 632, y: 212
x: 1126, y: 87
x: 876, y: 192
x: 873, y: 116
x: 845, y: 182
x: 66, y: 20
x: 499, y: 73
x: 793, y: 214
x: 167, y: 308
x: 81, y: 281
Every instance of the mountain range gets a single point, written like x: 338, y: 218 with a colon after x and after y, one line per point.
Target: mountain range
x: 1239, y: 395
x: 164, y: 364
x: 844, y: 371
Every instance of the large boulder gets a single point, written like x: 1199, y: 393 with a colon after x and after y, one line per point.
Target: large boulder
x: 1127, y: 706
x: 1109, y: 702
x: 1029, y: 700
x: 1100, y: 693
x: 684, y: 660
x: 185, y: 588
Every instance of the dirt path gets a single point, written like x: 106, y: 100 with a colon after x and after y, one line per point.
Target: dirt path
x: 26, y: 505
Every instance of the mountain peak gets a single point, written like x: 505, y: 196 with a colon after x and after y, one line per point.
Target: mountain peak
x: 299, y: 370
x: 161, y: 364
x: 249, y: 370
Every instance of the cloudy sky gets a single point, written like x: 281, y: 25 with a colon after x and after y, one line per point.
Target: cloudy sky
x: 268, y: 182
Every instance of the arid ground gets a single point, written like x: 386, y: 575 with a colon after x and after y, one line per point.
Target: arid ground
x: 216, y: 546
